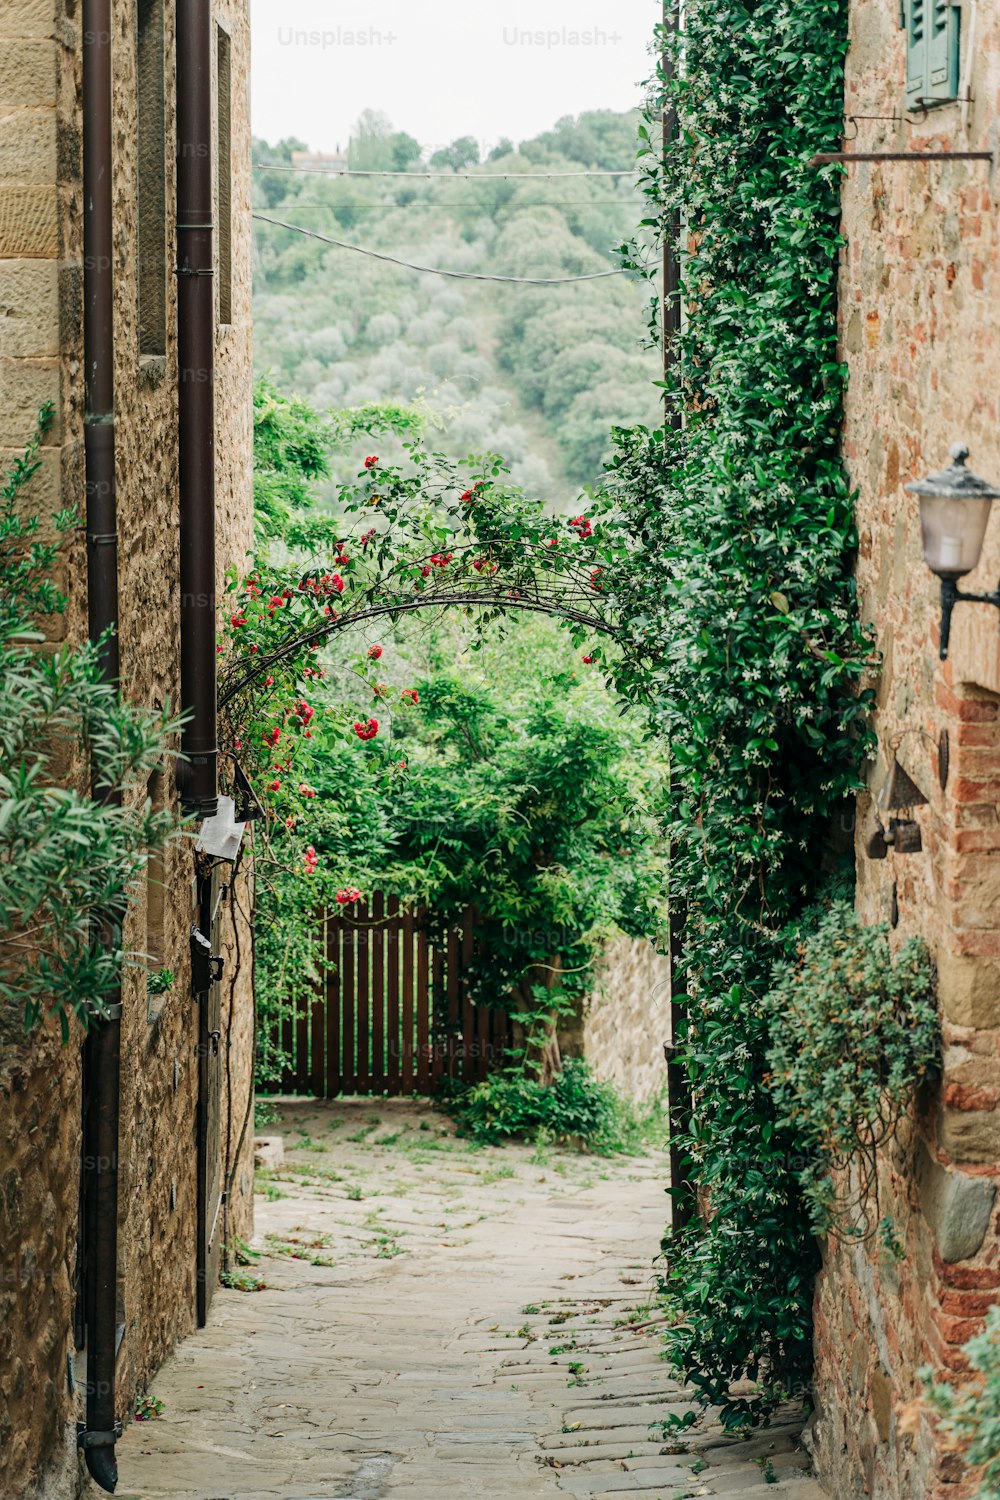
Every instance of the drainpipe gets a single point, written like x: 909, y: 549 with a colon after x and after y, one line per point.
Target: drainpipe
x: 102, y: 1045
x: 196, y: 406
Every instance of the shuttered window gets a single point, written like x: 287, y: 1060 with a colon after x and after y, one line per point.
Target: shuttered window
x: 933, y: 51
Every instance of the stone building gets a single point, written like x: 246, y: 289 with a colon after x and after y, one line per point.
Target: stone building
x: 184, y: 1163
x: 920, y: 329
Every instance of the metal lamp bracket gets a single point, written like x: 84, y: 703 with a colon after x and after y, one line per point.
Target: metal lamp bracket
x: 951, y: 595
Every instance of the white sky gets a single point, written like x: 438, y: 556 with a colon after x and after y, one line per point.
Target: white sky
x: 443, y: 68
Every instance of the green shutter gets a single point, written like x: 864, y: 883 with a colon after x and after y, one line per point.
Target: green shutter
x: 933, y: 50
x: 944, y: 51
x: 916, y: 50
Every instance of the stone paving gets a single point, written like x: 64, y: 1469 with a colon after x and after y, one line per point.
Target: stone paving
x: 440, y: 1320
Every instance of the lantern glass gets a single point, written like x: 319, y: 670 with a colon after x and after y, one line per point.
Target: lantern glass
x: 953, y: 532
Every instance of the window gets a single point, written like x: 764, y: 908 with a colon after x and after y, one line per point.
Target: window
x: 933, y: 52
x: 151, y: 168
x: 224, y: 127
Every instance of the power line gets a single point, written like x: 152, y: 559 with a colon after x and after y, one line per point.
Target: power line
x: 357, y: 208
x: 480, y: 176
x: 436, y: 270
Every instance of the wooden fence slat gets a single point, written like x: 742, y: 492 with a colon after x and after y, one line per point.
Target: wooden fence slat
x: 364, y: 999
x: 392, y: 996
x: 302, y: 1044
x: 334, y: 1070
x: 437, y: 1016
x: 454, y: 980
x: 424, y: 1001
x: 406, y: 1060
x: 348, y: 1007
x: 378, y: 1075
x: 317, y: 1069
x: 287, y: 1047
x: 467, y: 1072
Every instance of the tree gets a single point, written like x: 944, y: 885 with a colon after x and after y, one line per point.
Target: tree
x: 459, y: 156
x: 405, y: 151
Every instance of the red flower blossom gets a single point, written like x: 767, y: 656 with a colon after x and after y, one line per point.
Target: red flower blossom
x: 272, y: 736
x: 274, y: 786
x: 367, y: 729
x: 582, y: 527
x: 237, y: 620
x: 348, y: 896
x: 588, y: 660
x: 371, y: 461
x: 411, y: 694
x: 374, y: 652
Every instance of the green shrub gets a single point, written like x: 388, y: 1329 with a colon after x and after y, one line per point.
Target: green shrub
x: 972, y: 1415
x: 854, y: 1031
x: 69, y: 860
x: 575, y: 1105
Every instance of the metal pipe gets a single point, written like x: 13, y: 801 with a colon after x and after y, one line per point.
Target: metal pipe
x: 824, y: 158
x: 196, y: 406
x: 103, y: 1043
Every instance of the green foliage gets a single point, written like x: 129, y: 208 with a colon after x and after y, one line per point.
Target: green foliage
x: 854, y: 1031
x: 292, y: 447
x: 337, y: 327
x: 574, y: 1106
x: 460, y: 155
x: 67, y: 861
x: 375, y: 146
x: 739, y: 590
x: 160, y: 981
x: 500, y: 775
x: 970, y: 1414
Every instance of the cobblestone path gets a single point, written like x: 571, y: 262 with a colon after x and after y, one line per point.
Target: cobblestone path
x: 440, y: 1321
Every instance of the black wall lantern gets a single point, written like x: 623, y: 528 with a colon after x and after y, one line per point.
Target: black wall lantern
x: 954, y: 511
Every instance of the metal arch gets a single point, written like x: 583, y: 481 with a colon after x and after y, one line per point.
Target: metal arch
x: 428, y: 600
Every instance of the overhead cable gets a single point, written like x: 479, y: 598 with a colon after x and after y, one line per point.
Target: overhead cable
x: 436, y: 270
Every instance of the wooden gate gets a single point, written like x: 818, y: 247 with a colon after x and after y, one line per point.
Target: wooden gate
x: 392, y: 1015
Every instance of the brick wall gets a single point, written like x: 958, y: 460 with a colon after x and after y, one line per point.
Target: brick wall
x: 919, y: 322
x: 40, y: 1105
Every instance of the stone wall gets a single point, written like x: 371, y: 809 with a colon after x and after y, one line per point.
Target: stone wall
x: 920, y: 322
x: 626, y: 1021
x: 40, y: 1103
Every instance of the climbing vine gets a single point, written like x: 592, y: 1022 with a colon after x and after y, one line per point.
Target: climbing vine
x: 855, y: 1031
x: 738, y: 587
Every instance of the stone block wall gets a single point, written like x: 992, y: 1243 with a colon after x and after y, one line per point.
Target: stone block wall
x: 920, y: 329
x: 625, y: 1022
x: 40, y: 1085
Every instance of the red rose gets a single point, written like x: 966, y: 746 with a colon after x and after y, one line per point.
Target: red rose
x: 371, y: 462
x: 374, y: 652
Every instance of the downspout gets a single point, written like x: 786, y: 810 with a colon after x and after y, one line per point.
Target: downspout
x: 103, y: 1043
x: 196, y: 406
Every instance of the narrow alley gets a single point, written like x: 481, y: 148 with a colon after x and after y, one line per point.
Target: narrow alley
x: 438, y: 1319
